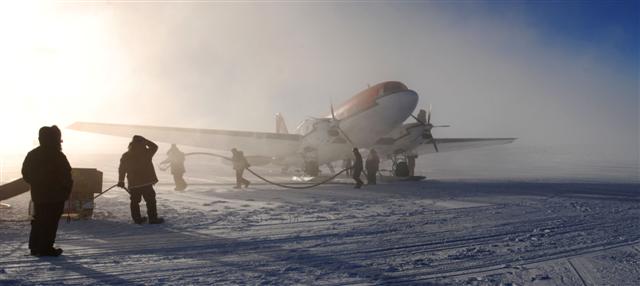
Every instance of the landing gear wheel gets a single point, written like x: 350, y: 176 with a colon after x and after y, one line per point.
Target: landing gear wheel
x: 401, y: 170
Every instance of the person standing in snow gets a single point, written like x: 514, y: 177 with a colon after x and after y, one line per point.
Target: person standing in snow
x: 372, y: 165
x: 136, y: 164
x: 239, y: 164
x: 48, y: 172
x: 411, y: 163
x: 357, y: 168
x: 175, y: 158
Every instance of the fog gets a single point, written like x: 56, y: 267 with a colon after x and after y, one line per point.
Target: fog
x: 232, y: 66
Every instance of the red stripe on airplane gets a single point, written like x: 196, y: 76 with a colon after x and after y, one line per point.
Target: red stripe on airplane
x: 359, y: 102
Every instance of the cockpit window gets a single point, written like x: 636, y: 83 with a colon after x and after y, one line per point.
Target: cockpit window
x: 392, y: 87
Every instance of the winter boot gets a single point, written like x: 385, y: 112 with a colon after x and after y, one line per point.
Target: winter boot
x: 156, y: 221
x: 140, y: 220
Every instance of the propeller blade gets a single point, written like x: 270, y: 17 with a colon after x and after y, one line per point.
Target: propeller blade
x: 417, y: 119
x: 337, y: 124
x: 429, y: 115
x: 333, y: 115
x: 435, y: 146
x: 345, y: 135
x: 319, y: 119
x: 441, y: 126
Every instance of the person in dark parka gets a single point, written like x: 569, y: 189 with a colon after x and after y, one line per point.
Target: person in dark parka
x: 175, y: 158
x: 372, y: 164
x: 357, y: 168
x: 48, y: 172
x: 411, y: 164
x: 239, y: 164
x: 136, y: 164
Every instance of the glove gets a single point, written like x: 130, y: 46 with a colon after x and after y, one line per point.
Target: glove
x: 120, y: 185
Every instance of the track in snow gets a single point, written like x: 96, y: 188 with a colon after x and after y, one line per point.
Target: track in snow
x: 429, y: 232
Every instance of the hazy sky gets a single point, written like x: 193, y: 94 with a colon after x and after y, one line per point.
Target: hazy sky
x: 548, y: 73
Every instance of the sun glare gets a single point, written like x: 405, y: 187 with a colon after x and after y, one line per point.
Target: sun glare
x: 58, y: 65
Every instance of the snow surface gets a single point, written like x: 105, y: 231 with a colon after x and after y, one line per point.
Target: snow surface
x: 467, y: 227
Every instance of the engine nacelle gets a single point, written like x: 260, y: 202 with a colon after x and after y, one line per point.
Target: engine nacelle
x: 321, y: 132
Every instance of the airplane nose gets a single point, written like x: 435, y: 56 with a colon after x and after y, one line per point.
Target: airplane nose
x: 406, y: 101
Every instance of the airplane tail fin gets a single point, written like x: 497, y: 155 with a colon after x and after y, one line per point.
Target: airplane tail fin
x: 281, y: 127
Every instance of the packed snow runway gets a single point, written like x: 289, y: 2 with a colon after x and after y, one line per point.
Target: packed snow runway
x: 432, y: 232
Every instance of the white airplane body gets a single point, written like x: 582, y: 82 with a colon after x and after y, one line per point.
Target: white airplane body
x: 372, y: 118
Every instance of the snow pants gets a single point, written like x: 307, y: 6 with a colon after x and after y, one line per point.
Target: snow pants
x: 239, y: 179
x: 181, y: 184
x: 44, y: 225
x: 149, y: 196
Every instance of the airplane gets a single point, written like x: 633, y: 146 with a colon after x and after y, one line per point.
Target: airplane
x: 413, y: 139
x: 373, y: 118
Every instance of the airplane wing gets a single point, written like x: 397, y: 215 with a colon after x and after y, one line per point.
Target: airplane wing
x: 13, y: 188
x: 455, y: 144
x: 251, y: 143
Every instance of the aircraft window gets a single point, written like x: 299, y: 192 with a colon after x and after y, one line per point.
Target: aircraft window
x: 393, y: 87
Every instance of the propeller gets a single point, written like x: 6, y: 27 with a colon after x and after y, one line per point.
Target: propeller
x: 337, y: 124
x: 422, y: 115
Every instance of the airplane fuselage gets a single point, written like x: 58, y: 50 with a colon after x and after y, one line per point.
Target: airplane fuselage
x: 359, y: 122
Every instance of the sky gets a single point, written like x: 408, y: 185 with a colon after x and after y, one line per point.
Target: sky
x: 547, y: 72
